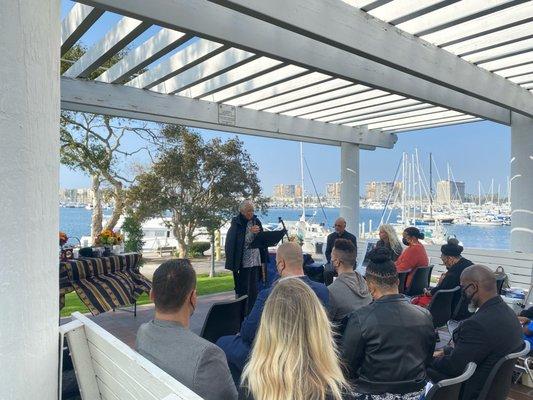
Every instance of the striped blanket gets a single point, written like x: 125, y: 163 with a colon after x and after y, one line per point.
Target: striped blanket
x: 103, y: 283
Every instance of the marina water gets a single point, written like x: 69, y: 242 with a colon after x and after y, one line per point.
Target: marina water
x: 76, y: 222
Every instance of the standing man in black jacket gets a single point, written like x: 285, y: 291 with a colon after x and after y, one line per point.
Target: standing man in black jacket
x: 340, y: 233
x: 490, y: 334
x: 246, y: 263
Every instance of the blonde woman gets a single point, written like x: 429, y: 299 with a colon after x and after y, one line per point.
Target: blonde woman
x: 389, y: 240
x: 294, y: 355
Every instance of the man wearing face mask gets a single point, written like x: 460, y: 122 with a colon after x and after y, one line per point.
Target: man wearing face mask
x: 490, y: 334
x: 289, y: 263
x: 168, y: 343
x: 388, y: 343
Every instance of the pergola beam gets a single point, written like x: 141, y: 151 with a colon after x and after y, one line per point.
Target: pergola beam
x: 79, y: 19
x: 157, y: 46
x: 186, y: 58
x: 126, y: 30
x: 352, y: 30
x: 128, y: 102
x: 216, y: 65
x: 219, y: 23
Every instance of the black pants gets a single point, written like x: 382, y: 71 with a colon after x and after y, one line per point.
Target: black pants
x: 246, y: 280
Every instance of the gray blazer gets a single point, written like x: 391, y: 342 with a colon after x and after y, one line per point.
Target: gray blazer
x: 191, y: 360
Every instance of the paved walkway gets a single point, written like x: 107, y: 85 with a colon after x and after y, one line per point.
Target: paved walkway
x: 201, y: 265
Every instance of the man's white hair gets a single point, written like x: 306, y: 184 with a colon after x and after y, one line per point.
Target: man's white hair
x: 246, y: 204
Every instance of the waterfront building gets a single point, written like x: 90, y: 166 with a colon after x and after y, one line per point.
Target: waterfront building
x: 448, y: 191
x: 380, y: 191
x: 80, y: 195
x: 333, y: 191
x: 286, y: 192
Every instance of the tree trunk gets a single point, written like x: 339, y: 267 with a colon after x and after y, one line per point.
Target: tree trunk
x: 96, y: 221
x: 212, y: 271
x: 118, y: 207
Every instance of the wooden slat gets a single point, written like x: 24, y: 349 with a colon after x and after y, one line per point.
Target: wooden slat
x: 115, y: 375
x: 157, y: 46
x: 126, y: 30
x: 81, y: 357
x: 79, y: 19
x: 106, y: 391
x: 154, y: 379
x: 187, y: 57
x: 518, y: 266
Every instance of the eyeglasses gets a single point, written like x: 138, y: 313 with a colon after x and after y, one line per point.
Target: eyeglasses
x: 339, y: 225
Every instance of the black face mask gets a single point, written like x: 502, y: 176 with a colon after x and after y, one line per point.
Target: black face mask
x: 405, y: 242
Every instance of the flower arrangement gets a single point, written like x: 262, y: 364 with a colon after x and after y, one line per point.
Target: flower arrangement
x: 63, y: 238
x: 109, y: 238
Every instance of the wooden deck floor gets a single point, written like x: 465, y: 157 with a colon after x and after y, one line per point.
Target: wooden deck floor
x: 124, y: 326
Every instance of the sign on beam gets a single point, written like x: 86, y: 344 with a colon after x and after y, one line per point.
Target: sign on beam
x: 227, y: 115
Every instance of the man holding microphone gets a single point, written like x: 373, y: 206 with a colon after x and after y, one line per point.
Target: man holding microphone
x: 246, y: 263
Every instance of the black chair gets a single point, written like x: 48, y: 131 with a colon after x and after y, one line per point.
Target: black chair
x: 449, y: 389
x: 402, y: 276
x: 223, y: 319
x: 440, y: 306
x: 429, y: 276
x: 498, y: 382
x: 419, y: 282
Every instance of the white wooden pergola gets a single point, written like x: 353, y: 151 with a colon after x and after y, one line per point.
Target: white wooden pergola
x: 352, y: 73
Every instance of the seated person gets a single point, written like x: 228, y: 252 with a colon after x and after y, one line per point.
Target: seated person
x: 389, y: 239
x: 289, y: 260
x: 527, y: 329
x: 488, y: 335
x: 168, y: 343
x: 387, y: 344
x: 414, y: 255
x: 455, y: 265
x: 349, y: 291
x: 293, y: 356
x: 340, y: 233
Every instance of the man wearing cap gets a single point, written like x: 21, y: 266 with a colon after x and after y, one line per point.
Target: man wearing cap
x: 455, y: 265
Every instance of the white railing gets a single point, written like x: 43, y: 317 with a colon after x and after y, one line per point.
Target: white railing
x: 518, y: 266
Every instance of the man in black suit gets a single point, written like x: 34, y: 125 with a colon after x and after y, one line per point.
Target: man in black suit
x: 490, y: 334
x: 340, y: 233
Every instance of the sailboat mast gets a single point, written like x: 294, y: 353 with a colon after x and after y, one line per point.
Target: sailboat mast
x: 431, y: 185
x: 479, y: 192
x: 302, y: 176
x: 403, y: 189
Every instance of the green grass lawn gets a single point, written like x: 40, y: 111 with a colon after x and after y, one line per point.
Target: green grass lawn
x: 205, y: 285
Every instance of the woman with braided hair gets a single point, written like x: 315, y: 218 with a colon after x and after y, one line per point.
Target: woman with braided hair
x: 387, y: 344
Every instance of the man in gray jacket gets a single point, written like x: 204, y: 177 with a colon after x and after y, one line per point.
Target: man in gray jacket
x: 168, y: 343
x: 349, y: 291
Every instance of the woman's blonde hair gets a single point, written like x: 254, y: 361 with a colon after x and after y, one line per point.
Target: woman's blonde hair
x: 394, y: 242
x: 294, y: 355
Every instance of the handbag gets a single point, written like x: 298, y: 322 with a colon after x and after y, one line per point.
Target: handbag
x: 502, y: 279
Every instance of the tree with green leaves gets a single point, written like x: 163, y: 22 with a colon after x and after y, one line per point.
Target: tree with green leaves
x: 94, y: 144
x: 198, y: 183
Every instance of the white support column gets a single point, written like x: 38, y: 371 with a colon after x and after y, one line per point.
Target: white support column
x: 29, y: 172
x: 350, y: 186
x: 522, y: 183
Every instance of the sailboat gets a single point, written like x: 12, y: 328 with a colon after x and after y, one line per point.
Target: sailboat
x: 309, y: 233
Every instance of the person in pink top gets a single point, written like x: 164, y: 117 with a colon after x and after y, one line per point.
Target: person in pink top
x: 414, y: 255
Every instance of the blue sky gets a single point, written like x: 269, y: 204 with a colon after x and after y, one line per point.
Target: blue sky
x: 475, y: 151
